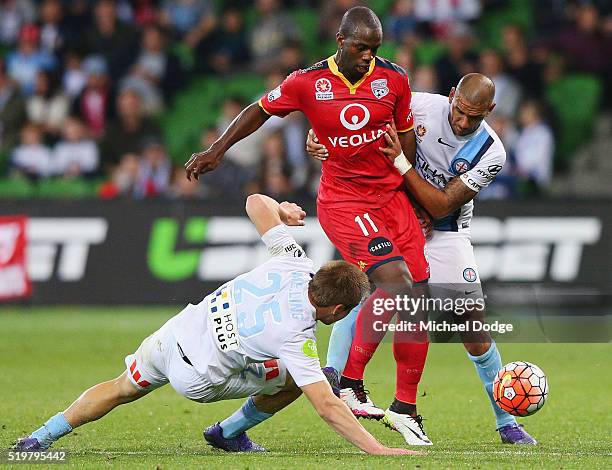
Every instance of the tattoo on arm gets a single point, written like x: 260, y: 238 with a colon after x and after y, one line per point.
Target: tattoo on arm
x: 458, y: 194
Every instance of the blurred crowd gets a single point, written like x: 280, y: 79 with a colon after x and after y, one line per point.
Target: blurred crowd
x: 83, y: 84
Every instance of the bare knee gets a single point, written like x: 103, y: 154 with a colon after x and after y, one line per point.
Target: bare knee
x: 124, y: 390
x: 393, y: 277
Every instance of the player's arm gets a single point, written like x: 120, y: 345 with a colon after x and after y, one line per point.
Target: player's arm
x: 266, y: 213
x: 408, y: 142
x: 438, y: 202
x: 335, y: 413
x: 248, y: 121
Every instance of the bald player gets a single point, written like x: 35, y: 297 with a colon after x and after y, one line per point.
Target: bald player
x: 457, y: 155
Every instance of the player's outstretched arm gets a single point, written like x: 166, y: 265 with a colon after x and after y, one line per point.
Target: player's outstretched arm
x: 248, y: 121
x: 341, y: 419
x: 266, y: 213
x: 438, y: 203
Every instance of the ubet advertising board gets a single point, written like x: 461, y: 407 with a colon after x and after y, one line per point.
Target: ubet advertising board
x: 95, y: 252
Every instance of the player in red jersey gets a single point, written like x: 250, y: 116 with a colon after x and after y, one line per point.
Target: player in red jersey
x: 350, y: 100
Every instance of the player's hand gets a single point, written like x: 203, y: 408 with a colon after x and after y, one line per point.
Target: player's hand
x: 394, y: 147
x: 291, y: 214
x: 314, y: 148
x: 202, y: 162
x: 396, y: 451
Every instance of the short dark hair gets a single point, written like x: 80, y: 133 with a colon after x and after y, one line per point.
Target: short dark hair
x: 358, y: 16
x: 338, y: 282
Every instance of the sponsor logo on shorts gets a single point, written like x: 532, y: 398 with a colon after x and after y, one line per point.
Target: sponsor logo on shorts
x: 469, y: 274
x: 380, y: 246
x: 309, y: 348
x: 323, y: 90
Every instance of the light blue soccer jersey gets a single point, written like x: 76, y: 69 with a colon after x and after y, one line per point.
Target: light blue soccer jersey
x: 260, y: 315
x: 441, y: 155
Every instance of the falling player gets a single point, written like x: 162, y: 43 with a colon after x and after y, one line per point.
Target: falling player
x: 230, y: 345
x: 362, y: 204
x: 457, y: 155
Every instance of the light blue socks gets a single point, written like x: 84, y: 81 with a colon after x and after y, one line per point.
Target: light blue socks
x: 52, y: 430
x: 244, y: 418
x: 340, y: 340
x: 487, y: 367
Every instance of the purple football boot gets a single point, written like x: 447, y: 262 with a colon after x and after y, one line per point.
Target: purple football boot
x: 241, y: 443
x: 515, y: 434
x: 333, y: 378
x: 28, y: 444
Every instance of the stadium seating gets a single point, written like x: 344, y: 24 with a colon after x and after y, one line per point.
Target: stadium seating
x: 576, y: 116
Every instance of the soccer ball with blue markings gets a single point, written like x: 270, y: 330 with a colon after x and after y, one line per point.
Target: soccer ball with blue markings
x: 520, y: 388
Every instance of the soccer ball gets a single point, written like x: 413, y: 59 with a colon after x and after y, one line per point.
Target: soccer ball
x: 520, y: 388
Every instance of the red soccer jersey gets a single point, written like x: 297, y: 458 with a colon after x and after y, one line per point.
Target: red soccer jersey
x: 349, y: 119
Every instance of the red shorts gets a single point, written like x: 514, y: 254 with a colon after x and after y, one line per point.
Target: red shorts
x: 371, y: 237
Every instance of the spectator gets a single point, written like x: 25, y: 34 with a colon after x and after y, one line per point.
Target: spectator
x: 241, y: 153
x: 74, y: 78
x: 507, y: 91
x: 154, y: 170
x: 123, y: 178
x: 228, y: 48
x: 12, y: 111
x: 535, y: 147
x: 52, y: 29
x: 274, y: 169
x: 126, y: 134
x: 75, y: 154
x: 95, y: 106
x: 520, y: 65
x: 404, y: 57
x: 331, y: 14
x: 49, y: 106
x: 14, y: 14
x: 111, y: 38
x: 191, y: 20
x: 182, y: 188
x: 156, y: 73
x: 24, y: 63
x: 291, y: 57
x: 230, y: 179
x: 425, y: 79
x: 273, y: 29
x: 582, y: 43
x: 401, y: 22
x: 458, y: 60
x: 32, y: 158
x: 442, y: 14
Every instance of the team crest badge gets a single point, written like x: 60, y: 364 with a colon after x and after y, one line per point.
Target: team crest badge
x: 379, y: 88
x: 420, y: 130
x: 460, y: 166
x: 323, y: 89
x: 469, y: 275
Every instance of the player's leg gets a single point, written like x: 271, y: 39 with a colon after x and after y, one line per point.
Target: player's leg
x: 94, y: 403
x: 269, y: 389
x: 340, y: 341
x: 145, y: 372
x: 454, y: 271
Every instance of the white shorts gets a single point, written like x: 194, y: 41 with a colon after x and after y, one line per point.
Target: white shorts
x: 158, y: 361
x: 452, y: 264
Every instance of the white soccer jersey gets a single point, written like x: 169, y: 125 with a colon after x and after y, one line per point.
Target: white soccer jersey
x: 260, y: 315
x: 441, y: 155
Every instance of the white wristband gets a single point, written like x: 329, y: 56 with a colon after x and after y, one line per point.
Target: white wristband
x: 402, y: 164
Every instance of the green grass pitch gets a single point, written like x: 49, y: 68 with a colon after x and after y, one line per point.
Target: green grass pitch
x: 50, y: 355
